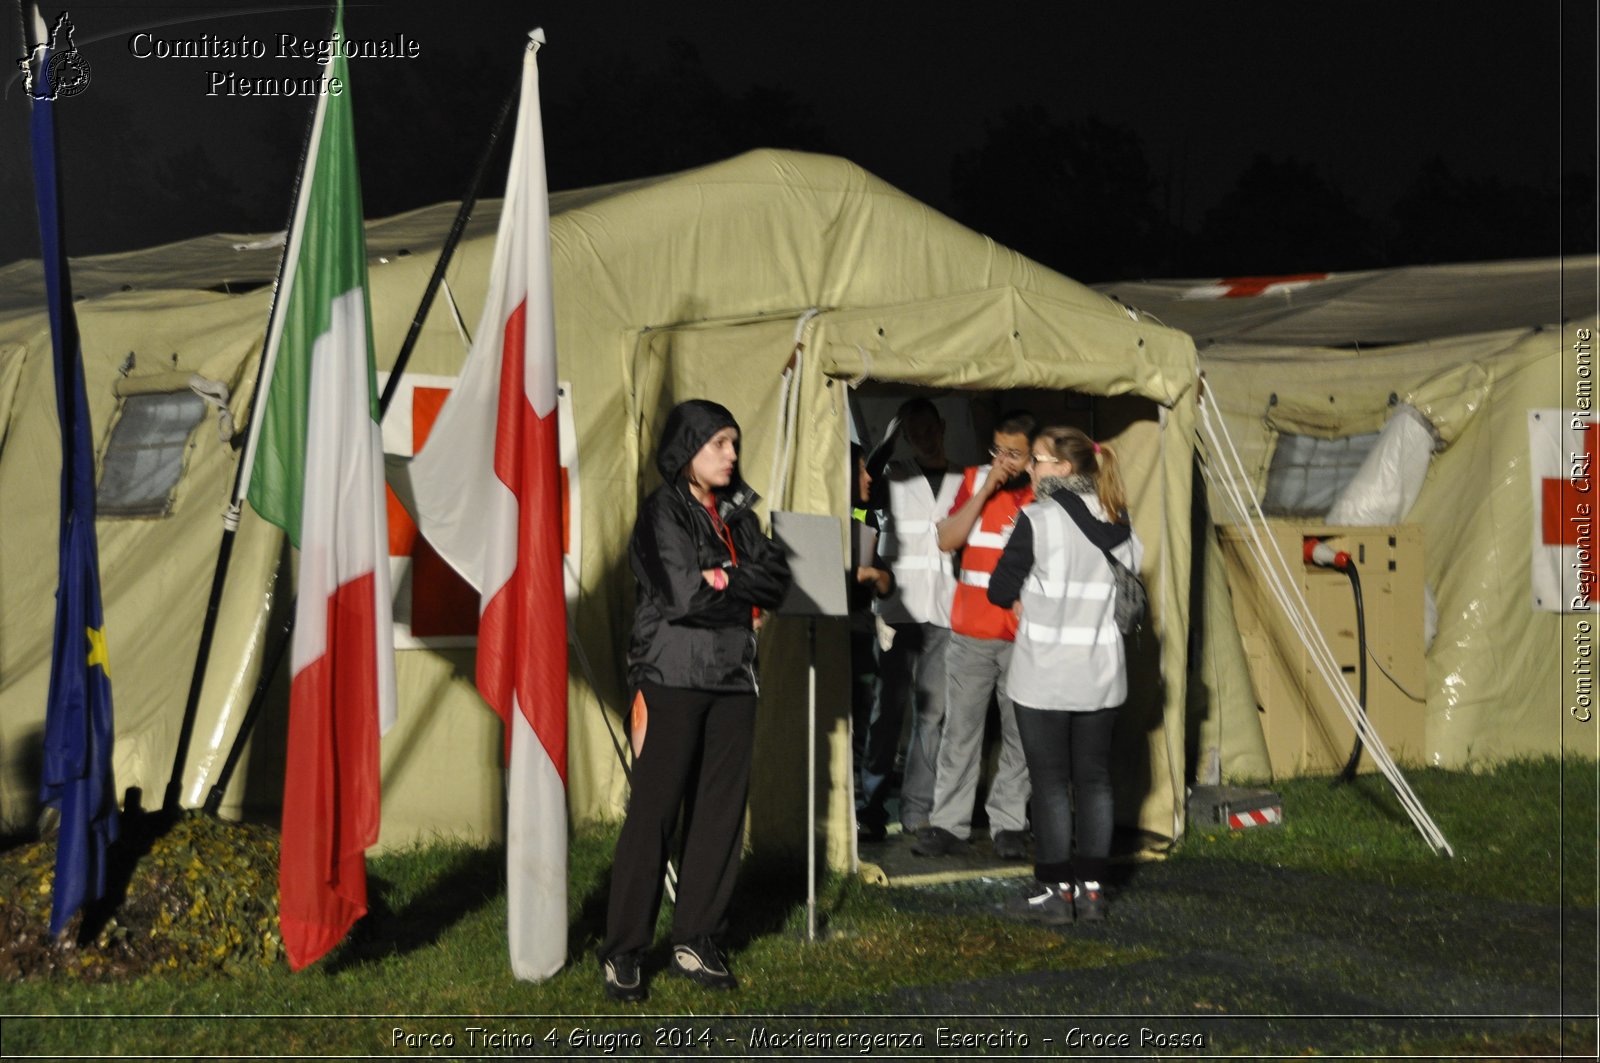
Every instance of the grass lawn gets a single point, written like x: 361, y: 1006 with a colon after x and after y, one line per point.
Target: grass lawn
x: 1339, y: 932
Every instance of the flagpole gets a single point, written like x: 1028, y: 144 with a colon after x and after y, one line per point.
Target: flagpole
x: 230, y: 519
x: 213, y: 801
x: 457, y: 228
x: 75, y: 779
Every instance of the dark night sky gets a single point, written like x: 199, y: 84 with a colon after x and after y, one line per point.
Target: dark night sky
x: 1362, y: 93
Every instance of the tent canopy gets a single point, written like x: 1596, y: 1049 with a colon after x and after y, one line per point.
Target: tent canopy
x: 1480, y: 350
x: 770, y: 282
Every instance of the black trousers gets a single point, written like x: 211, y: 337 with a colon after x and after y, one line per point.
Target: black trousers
x: 1069, y: 765
x: 696, y: 754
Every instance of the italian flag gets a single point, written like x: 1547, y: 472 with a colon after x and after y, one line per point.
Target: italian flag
x: 488, y: 493
x: 315, y: 466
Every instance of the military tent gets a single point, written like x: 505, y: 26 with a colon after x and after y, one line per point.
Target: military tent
x: 1497, y: 359
x: 774, y: 282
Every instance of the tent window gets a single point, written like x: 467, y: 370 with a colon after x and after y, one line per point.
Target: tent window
x: 1308, y: 473
x: 145, y: 456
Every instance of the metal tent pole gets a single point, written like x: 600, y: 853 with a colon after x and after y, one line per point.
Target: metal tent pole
x: 275, y: 656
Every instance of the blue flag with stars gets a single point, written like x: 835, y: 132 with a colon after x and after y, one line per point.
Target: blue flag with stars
x: 76, y: 777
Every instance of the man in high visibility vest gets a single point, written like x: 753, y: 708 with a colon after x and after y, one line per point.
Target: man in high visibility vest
x: 980, y: 521
x: 912, y: 496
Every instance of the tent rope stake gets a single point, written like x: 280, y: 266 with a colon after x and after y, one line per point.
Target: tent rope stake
x: 1228, y: 476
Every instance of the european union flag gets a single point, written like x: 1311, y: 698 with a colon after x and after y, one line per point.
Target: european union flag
x: 78, y: 729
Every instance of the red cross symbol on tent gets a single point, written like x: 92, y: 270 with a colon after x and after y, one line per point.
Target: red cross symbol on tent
x: 442, y: 603
x: 1562, y: 516
x: 1246, y: 287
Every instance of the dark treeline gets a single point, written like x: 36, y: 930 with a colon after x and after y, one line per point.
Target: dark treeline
x: 1081, y: 196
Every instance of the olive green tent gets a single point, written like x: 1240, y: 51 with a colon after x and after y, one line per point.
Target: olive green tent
x: 774, y: 282
x: 1497, y: 358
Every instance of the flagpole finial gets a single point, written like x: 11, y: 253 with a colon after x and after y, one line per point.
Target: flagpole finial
x: 535, y: 38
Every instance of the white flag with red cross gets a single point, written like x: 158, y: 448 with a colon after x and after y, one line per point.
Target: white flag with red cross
x: 1562, y: 448
x: 488, y: 491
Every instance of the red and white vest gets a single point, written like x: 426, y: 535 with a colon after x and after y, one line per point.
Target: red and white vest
x: 972, y: 614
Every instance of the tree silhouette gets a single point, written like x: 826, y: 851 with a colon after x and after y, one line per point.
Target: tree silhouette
x: 1282, y: 217
x: 1079, y: 197
x: 1442, y: 217
x: 624, y: 120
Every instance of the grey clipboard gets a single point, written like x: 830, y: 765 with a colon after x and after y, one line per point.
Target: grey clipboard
x: 816, y: 564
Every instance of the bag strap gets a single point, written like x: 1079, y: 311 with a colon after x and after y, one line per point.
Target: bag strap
x: 1101, y: 533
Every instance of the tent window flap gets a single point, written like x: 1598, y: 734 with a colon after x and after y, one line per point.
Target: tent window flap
x: 1308, y: 473
x: 144, y: 459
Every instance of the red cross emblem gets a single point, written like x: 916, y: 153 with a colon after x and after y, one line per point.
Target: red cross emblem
x: 442, y: 603
x: 1245, y: 287
x: 1569, y: 505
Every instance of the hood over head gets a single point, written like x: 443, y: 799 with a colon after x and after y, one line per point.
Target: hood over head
x: 689, y: 427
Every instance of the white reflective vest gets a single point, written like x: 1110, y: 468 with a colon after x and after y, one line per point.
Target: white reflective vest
x: 1069, y: 653
x: 908, y: 542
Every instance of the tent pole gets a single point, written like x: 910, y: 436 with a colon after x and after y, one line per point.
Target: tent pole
x: 230, y: 521
x: 269, y: 667
x: 270, y: 664
x: 446, y: 253
x: 171, y: 801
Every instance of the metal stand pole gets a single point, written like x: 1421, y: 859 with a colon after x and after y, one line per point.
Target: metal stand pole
x: 811, y: 779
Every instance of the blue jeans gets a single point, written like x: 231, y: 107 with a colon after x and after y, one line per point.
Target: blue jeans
x: 1069, y: 764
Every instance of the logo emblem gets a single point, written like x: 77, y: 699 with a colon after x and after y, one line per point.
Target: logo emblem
x: 64, y: 74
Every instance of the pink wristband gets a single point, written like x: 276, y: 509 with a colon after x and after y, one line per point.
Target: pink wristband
x: 719, y: 580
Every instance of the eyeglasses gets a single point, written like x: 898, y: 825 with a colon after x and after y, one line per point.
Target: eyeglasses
x: 1014, y: 455
x: 1045, y: 459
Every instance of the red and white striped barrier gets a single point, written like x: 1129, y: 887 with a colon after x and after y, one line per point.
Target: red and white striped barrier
x: 1256, y: 817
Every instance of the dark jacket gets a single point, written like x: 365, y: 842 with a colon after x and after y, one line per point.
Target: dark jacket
x: 685, y: 633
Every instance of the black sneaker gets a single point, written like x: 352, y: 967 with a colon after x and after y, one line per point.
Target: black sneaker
x: 871, y: 833
x: 1011, y: 844
x: 701, y: 961
x: 624, y: 981
x: 1043, y: 903
x: 1090, y: 904
x: 936, y: 841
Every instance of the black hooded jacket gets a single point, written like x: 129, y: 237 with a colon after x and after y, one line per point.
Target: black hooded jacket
x: 685, y: 632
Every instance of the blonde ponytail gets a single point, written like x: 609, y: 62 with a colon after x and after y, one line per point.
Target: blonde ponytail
x: 1095, y: 461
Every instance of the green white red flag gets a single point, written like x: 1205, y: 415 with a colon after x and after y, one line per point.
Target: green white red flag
x: 315, y: 469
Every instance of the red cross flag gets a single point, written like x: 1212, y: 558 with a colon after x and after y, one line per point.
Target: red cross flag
x: 1561, y: 453
x: 488, y: 492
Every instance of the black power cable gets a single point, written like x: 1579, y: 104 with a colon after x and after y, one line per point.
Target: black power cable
x: 1349, y: 771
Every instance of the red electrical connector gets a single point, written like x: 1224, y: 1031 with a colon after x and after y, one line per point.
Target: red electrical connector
x: 1318, y: 552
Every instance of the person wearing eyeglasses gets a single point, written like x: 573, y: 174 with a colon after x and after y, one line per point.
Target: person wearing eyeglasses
x: 1069, y: 672
x: 980, y: 521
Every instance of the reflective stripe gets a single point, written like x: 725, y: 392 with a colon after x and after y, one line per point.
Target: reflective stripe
x: 1081, y: 589
x: 988, y: 540
x: 1063, y: 636
x: 910, y: 563
x: 974, y: 579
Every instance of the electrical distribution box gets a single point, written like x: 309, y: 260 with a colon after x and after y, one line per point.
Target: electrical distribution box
x: 1306, y: 731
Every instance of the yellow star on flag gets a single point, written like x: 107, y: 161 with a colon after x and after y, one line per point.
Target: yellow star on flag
x: 97, y: 650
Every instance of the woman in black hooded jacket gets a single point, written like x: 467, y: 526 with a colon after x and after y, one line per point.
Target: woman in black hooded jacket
x: 705, y: 572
